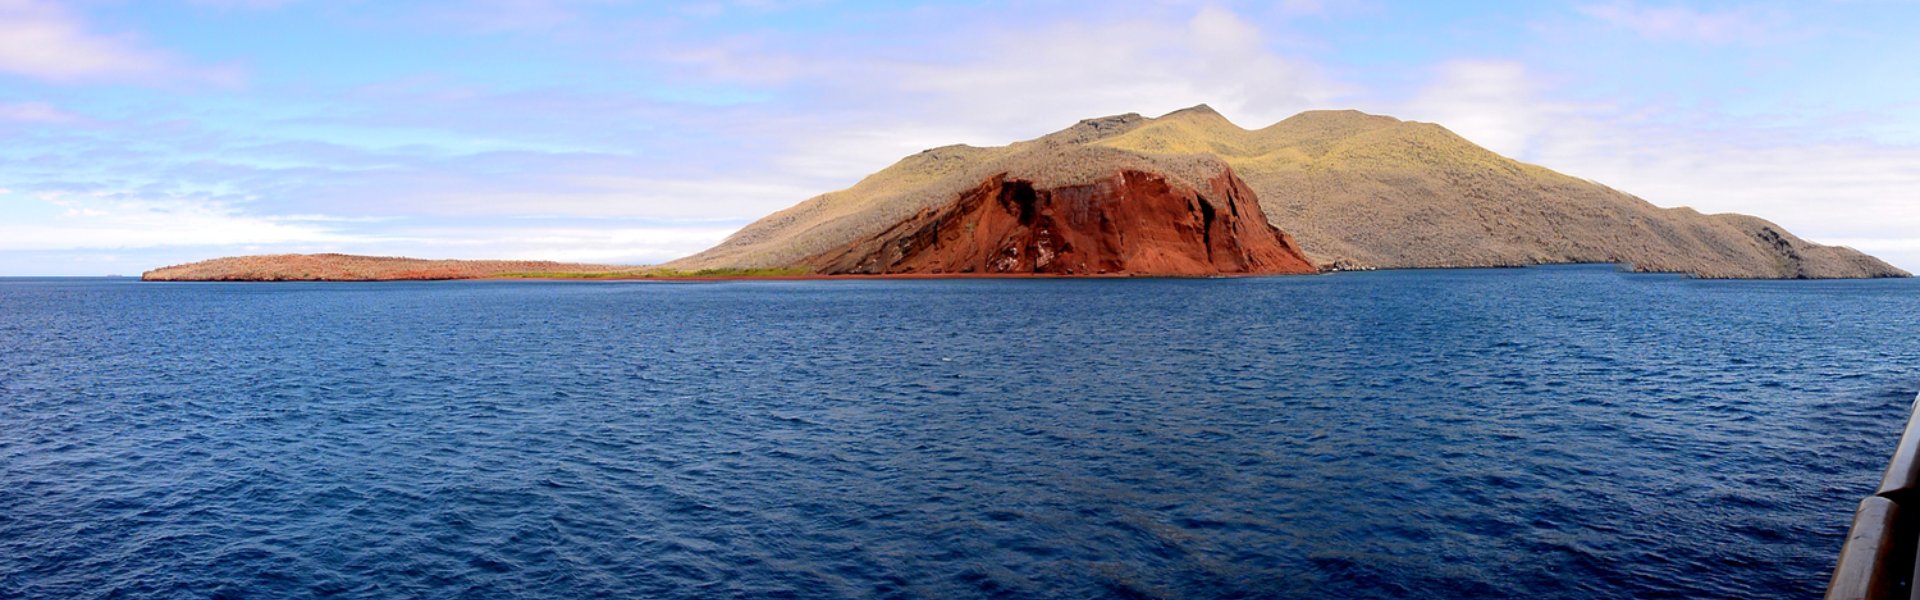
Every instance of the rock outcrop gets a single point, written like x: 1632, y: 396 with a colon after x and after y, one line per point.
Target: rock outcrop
x: 1357, y: 191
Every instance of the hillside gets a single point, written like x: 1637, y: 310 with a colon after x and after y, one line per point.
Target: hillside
x: 1356, y: 191
x: 1065, y: 209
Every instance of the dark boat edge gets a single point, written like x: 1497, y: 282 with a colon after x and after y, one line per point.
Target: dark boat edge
x: 1877, y: 561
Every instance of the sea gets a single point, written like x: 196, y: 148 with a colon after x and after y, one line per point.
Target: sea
x: 1561, y: 432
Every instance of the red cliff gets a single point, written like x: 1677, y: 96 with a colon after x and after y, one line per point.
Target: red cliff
x: 1130, y: 222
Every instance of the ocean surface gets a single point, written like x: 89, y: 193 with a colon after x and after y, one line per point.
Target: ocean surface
x: 1568, y: 432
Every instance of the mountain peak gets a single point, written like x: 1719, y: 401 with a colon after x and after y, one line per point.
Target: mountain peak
x: 1088, y: 130
x: 1338, y: 118
x: 1198, y: 114
x: 1197, y: 110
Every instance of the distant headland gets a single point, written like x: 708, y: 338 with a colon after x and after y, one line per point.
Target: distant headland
x: 346, y: 267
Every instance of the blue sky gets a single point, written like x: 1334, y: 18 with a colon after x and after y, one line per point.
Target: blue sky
x: 135, y: 134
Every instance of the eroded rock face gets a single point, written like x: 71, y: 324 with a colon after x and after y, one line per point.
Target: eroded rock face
x: 1129, y: 223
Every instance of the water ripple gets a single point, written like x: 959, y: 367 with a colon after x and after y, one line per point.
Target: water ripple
x: 1564, y: 432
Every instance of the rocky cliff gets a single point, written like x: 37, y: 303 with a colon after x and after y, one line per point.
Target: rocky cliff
x: 1128, y: 222
x: 1357, y: 191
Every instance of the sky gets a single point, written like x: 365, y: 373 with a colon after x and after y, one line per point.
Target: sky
x: 141, y: 133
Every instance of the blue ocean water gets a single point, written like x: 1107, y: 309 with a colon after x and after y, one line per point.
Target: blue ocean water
x: 1565, y: 432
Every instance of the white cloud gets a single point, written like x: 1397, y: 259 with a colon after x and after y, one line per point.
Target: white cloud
x: 1496, y: 104
x: 1742, y: 24
x: 45, y: 40
x: 119, y: 222
x: 1050, y: 77
x: 1004, y: 83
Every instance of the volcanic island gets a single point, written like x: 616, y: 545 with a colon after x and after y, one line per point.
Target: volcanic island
x: 1187, y: 194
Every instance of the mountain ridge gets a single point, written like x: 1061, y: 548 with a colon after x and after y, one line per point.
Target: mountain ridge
x: 1358, y: 191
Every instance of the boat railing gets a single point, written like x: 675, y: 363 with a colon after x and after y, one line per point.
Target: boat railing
x: 1877, y: 561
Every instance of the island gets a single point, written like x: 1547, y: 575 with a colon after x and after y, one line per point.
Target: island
x: 1186, y: 194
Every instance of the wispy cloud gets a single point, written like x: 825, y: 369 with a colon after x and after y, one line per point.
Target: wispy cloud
x: 1745, y: 24
x: 496, y: 16
x: 35, y: 112
x: 245, y: 4
x: 48, y: 41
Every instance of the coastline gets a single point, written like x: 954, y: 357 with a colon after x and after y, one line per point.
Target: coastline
x: 634, y: 274
x: 637, y: 275
x: 890, y: 276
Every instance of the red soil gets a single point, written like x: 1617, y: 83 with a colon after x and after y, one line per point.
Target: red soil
x: 1129, y: 223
